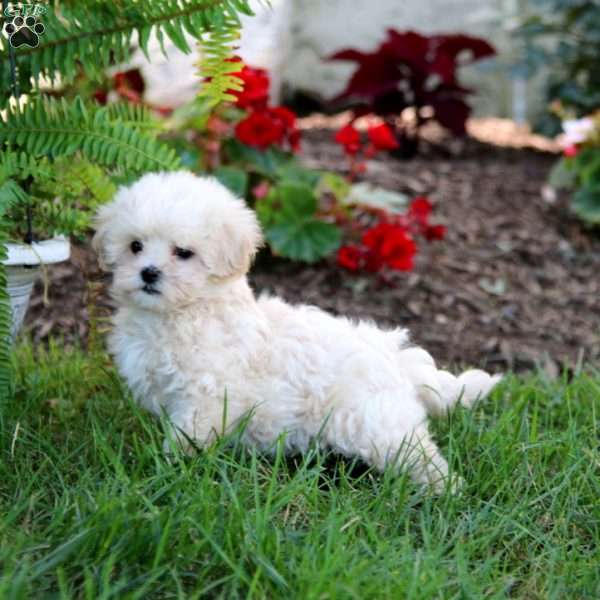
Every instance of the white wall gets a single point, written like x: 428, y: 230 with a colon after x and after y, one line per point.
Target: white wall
x: 320, y: 27
x: 293, y: 37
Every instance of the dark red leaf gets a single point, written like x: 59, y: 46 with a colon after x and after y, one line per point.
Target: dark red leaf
x: 348, y: 54
x: 452, y: 114
x: 454, y: 45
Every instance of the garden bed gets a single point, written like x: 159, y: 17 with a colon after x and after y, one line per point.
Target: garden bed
x: 514, y: 284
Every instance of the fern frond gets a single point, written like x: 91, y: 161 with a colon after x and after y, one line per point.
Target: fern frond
x: 93, y: 179
x: 57, y: 128
x: 22, y: 165
x: 11, y: 194
x: 93, y: 35
x: 215, y: 67
x: 133, y: 115
x: 65, y: 202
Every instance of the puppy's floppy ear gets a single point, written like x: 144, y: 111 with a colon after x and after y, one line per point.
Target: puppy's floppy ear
x: 234, y: 241
x: 101, y: 224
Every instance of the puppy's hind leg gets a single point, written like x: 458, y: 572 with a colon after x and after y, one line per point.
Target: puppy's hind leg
x: 386, y: 435
x: 188, y: 431
x: 425, y: 463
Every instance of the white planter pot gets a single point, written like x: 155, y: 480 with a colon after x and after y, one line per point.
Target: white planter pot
x: 22, y: 269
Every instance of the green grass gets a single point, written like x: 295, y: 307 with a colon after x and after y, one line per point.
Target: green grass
x: 91, y: 509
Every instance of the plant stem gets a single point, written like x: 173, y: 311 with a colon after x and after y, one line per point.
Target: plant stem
x: 15, y: 92
x: 28, y: 238
x: 11, y: 58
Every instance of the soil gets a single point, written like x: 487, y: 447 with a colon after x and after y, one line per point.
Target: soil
x: 514, y: 285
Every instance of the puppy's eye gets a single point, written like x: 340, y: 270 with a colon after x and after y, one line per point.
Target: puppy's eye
x: 183, y: 253
x: 136, y: 246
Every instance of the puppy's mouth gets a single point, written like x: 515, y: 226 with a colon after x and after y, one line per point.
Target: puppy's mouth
x: 150, y: 289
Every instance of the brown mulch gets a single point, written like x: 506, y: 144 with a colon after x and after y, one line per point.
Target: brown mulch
x: 514, y: 285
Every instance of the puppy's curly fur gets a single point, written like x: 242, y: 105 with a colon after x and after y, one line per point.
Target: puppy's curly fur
x: 191, y: 339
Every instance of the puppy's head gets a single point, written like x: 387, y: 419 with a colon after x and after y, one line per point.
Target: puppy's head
x: 174, y: 238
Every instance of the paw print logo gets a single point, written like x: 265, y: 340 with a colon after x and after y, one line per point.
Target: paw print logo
x: 24, y: 31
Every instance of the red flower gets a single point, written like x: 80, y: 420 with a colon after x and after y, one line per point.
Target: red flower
x: 348, y: 137
x: 373, y: 238
x: 130, y: 85
x: 419, y: 210
x: 288, y: 120
x: 261, y: 190
x: 256, y: 88
x: 391, y: 245
x: 435, y: 232
x: 418, y: 215
x: 265, y: 127
x: 398, y: 251
x: 294, y: 139
x: 101, y: 96
x: 131, y: 79
x: 571, y: 151
x: 382, y: 137
x: 350, y: 257
x: 260, y: 129
x: 285, y: 115
x: 373, y: 262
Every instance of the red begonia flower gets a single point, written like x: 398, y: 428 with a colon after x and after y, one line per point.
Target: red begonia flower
x: 392, y: 245
x: 131, y: 79
x: 373, y: 237
x: 261, y: 190
x: 256, y: 88
x: 571, y: 151
x: 382, y: 137
x: 398, y: 250
x: 420, y: 209
x: 285, y: 114
x: 350, y: 257
x: 294, y: 139
x: 260, y: 129
x: 348, y: 137
x: 288, y: 120
x: 373, y: 262
x: 101, y: 97
x: 435, y: 232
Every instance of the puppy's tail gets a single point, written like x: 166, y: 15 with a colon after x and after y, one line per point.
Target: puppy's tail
x: 440, y: 390
x: 466, y: 389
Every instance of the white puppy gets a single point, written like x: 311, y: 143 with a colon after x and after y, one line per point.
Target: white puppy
x: 191, y: 339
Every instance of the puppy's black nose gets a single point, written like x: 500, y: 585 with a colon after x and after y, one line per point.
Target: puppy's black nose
x: 150, y: 274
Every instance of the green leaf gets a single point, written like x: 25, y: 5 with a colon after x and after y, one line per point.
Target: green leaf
x: 590, y: 175
x: 264, y: 162
x: 54, y: 129
x: 586, y: 204
x: 308, y: 240
x: 562, y: 175
x: 297, y: 201
x: 334, y: 184
x: 92, y: 36
x: 293, y: 172
x: 377, y: 197
x: 234, y: 179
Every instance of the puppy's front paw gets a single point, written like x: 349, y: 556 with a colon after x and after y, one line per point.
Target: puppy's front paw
x: 453, y: 484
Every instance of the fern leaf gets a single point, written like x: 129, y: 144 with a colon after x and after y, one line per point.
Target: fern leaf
x: 94, y: 35
x: 57, y: 128
x: 215, y: 67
